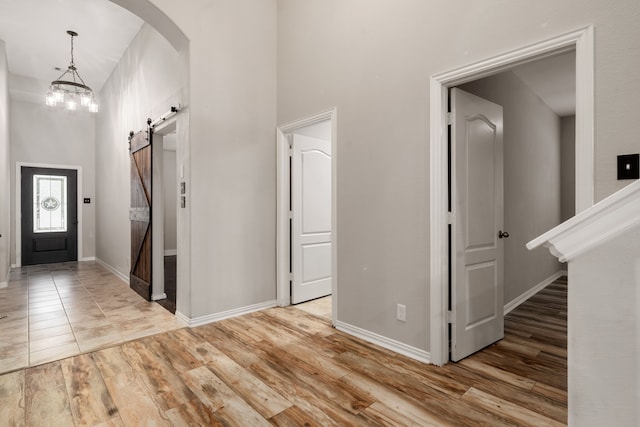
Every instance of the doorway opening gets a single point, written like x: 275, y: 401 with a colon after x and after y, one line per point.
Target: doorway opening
x: 165, y: 210
x: 583, y: 43
x: 306, y: 202
x: 50, y: 215
x: 60, y: 242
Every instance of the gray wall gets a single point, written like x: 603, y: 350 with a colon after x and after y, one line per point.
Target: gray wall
x: 531, y: 178
x: 5, y: 167
x: 372, y: 59
x: 231, y: 166
x: 604, y: 334
x: 226, y: 234
x: 40, y: 134
x: 145, y: 83
x: 568, y: 168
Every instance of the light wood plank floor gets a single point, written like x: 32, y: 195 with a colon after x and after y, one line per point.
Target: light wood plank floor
x: 286, y: 366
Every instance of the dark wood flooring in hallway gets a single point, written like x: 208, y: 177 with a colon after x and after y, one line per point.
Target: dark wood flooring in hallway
x: 170, y: 278
x: 286, y: 366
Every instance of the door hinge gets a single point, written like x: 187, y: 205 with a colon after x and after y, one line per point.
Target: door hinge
x: 450, y: 217
x: 291, y: 276
x: 290, y: 143
x: 450, y: 316
x: 290, y: 215
x: 449, y: 118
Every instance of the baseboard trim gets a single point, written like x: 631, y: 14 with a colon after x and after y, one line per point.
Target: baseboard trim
x: 88, y: 258
x: 210, y: 318
x: 5, y: 282
x: 284, y: 302
x: 511, y: 305
x: 113, y: 270
x: 382, y: 341
x: 14, y: 265
x: 170, y: 252
x: 182, y: 317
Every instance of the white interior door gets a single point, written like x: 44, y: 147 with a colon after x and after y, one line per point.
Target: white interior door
x: 477, y: 251
x: 311, y: 225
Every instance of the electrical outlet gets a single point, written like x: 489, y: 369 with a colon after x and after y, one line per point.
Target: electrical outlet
x: 401, y: 313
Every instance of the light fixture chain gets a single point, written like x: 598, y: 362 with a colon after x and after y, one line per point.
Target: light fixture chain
x: 72, y: 66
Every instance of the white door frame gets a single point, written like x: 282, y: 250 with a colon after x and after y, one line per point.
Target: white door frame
x: 282, y: 200
x: 157, y: 207
x: 582, y: 41
x: 18, y: 221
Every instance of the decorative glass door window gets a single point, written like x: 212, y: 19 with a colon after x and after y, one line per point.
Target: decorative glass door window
x: 49, y: 203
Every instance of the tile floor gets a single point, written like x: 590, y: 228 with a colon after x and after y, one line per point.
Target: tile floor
x: 50, y: 312
x: 320, y: 307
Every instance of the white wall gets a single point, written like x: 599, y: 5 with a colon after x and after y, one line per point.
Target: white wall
x: 531, y: 179
x: 5, y: 168
x: 372, y: 59
x: 231, y: 166
x: 146, y: 83
x: 40, y: 134
x: 604, y: 334
x: 170, y: 186
x: 568, y: 168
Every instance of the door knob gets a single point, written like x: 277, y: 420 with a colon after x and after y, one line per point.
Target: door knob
x: 502, y: 234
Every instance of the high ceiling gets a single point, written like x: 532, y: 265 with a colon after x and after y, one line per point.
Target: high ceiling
x: 34, y: 32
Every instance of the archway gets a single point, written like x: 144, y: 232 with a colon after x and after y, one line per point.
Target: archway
x: 167, y: 28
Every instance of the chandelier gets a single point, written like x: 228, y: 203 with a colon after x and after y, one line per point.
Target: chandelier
x: 71, y: 91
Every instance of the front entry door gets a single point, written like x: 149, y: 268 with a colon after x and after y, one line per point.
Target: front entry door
x: 311, y: 244
x: 477, y: 250
x: 140, y: 214
x: 49, y: 203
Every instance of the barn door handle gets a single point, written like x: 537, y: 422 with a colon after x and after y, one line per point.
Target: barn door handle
x: 502, y: 234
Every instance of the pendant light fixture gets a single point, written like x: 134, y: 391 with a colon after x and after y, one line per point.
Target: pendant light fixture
x: 69, y: 90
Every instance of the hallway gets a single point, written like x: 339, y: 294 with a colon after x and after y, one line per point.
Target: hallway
x: 49, y: 312
x: 288, y: 366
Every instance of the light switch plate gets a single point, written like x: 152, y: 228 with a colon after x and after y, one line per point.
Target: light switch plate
x: 629, y: 166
